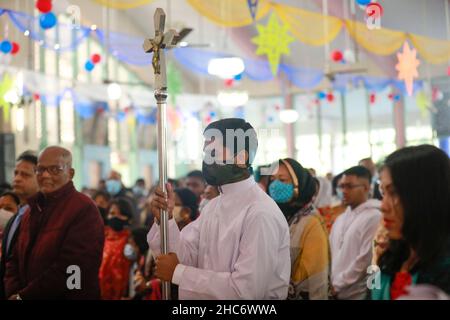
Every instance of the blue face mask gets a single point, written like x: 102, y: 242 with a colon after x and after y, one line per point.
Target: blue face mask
x: 113, y: 186
x: 281, y: 192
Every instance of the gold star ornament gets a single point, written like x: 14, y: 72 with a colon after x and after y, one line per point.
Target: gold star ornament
x: 273, y: 40
x: 407, y: 67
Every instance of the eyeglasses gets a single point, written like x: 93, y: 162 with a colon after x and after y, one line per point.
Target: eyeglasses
x: 52, y: 170
x: 349, y: 186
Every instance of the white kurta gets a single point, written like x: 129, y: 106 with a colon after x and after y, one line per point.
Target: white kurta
x: 351, y: 240
x: 237, y: 249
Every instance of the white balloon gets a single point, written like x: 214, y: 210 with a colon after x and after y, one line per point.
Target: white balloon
x: 349, y: 56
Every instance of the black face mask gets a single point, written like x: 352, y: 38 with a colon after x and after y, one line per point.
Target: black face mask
x: 217, y: 175
x: 117, y: 224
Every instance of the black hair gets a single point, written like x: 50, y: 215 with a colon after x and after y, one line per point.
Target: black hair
x: 103, y: 194
x: 334, y: 183
x: 12, y: 195
x: 28, y: 156
x: 360, y: 172
x: 421, y: 178
x: 173, y: 182
x: 139, y: 236
x: 189, y: 200
x: 140, y: 180
x: 196, y: 174
x: 250, y: 144
x: 125, y: 207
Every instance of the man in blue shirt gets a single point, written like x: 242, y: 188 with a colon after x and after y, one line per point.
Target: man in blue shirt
x: 24, y: 186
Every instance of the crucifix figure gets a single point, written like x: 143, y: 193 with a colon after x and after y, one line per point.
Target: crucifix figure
x: 157, y: 45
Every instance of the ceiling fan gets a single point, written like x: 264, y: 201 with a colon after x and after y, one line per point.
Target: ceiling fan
x: 331, y: 72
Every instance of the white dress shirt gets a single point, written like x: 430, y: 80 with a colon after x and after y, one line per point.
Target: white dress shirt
x: 351, y: 249
x: 238, y: 248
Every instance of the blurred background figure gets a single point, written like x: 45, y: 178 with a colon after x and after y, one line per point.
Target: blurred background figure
x: 210, y: 193
x: 115, y: 268
x: 186, y: 207
x: 196, y: 183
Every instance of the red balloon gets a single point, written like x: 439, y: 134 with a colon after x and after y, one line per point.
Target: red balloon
x: 337, y: 56
x: 15, y: 48
x: 330, y: 97
x: 372, y: 98
x: 36, y: 97
x: 229, y: 82
x: 44, y: 6
x: 448, y: 71
x: 391, y: 96
x: 95, y: 58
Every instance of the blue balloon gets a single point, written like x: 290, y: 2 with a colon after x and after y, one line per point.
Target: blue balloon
x: 47, y: 20
x: 6, y: 46
x: 238, y: 77
x: 397, y: 97
x: 212, y: 114
x: 89, y: 66
x: 363, y: 2
x: 321, y: 95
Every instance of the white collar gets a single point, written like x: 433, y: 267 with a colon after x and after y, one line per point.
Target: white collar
x: 237, y: 187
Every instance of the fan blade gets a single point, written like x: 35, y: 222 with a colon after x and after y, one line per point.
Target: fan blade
x: 181, y: 35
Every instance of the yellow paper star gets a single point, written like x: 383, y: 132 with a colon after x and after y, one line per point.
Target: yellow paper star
x: 407, y: 67
x: 423, y: 102
x: 273, y: 40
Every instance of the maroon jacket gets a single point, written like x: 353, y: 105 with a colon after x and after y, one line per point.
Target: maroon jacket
x: 63, y: 228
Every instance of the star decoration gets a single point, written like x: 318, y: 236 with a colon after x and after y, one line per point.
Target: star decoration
x: 273, y: 40
x: 407, y: 67
x: 423, y: 102
x: 5, y: 85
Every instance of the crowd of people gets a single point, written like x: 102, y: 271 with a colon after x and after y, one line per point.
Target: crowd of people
x: 274, y: 232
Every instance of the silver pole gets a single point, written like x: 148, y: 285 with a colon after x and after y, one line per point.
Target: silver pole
x: 161, y: 98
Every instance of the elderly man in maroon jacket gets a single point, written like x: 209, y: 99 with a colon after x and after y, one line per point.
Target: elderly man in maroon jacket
x: 60, y: 243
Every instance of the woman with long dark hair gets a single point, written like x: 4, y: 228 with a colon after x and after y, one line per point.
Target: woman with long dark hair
x: 415, y: 184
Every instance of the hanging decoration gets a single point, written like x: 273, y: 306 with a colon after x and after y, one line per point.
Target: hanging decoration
x: 321, y: 95
x: 6, y: 46
x: 123, y: 4
x: 337, y: 56
x: 15, y: 48
x: 330, y: 97
x: 407, y: 67
x: 363, y: 2
x: 92, y: 62
x: 229, y: 83
x: 349, y: 56
x: 6, y: 85
x: 96, y: 58
x: 273, y: 40
x: 47, y: 20
x: 253, y: 7
x: 372, y: 98
x: 436, y: 95
x: 423, y: 103
x: 44, y: 6
x: 89, y: 66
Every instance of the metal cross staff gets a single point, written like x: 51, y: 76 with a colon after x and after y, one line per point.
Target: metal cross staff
x: 157, y: 45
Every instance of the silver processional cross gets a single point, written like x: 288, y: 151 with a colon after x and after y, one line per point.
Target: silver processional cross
x: 157, y: 45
